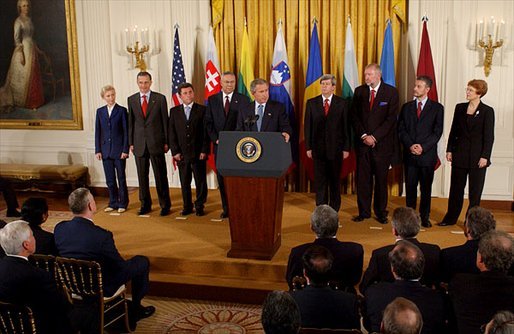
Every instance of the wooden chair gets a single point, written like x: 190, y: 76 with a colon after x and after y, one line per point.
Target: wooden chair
x: 16, y: 319
x: 328, y: 331
x: 82, y: 281
x: 45, y: 262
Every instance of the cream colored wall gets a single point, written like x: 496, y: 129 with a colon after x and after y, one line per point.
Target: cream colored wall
x: 100, y: 24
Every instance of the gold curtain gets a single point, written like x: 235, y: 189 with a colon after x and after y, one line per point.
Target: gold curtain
x: 368, y: 18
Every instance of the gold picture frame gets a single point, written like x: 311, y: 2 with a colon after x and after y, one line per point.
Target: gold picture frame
x: 62, y: 107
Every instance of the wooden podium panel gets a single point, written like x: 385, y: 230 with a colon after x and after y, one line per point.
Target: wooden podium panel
x: 255, y: 206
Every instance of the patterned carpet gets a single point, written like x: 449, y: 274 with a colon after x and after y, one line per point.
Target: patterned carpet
x: 192, y: 316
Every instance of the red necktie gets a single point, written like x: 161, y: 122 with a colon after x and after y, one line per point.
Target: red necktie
x: 144, y: 105
x: 227, y: 105
x: 372, y: 99
x: 418, y: 111
x: 326, y: 106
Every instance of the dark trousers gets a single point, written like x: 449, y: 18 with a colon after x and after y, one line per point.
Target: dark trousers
x: 187, y: 169
x: 457, y: 185
x: 221, y: 186
x: 137, y: 271
x: 161, y: 179
x: 118, y: 192
x: 424, y: 176
x: 327, y: 180
x: 9, y: 194
x: 372, y: 176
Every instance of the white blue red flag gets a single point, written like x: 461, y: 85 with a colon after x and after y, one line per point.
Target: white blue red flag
x: 178, y: 76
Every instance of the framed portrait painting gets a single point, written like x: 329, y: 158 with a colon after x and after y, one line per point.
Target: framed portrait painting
x: 39, y: 74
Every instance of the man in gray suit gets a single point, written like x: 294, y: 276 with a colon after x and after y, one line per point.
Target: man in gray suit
x: 148, y: 140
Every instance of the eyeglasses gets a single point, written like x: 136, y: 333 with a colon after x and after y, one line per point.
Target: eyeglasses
x: 495, y: 326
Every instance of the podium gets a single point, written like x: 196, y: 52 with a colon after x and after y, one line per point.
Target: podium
x: 254, y: 165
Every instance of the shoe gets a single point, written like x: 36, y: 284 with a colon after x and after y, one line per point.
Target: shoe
x: 382, y: 220
x: 108, y: 209
x: 145, y: 312
x: 186, y: 212
x: 200, y: 212
x: 13, y: 213
x: 446, y: 223
x: 121, y: 210
x: 359, y: 218
x: 143, y: 211
x: 165, y: 212
x: 426, y: 223
x: 223, y: 215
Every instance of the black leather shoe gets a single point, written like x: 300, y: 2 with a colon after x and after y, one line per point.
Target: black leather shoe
x: 359, y: 218
x: 165, y: 212
x: 382, y: 220
x: 445, y: 223
x: 223, y: 215
x: 143, y: 211
x: 426, y: 223
x: 13, y: 213
x: 200, y: 212
x: 186, y: 212
x: 145, y: 311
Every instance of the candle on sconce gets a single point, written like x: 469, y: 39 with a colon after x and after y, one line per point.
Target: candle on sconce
x: 480, y: 30
x: 490, y: 27
x: 127, y: 38
x: 501, y: 28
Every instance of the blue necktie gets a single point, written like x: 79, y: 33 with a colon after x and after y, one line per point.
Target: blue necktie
x: 260, y: 111
x: 187, y: 109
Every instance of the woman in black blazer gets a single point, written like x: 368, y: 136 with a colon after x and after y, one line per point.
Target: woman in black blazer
x: 35, y: 212
x: 469, y: 149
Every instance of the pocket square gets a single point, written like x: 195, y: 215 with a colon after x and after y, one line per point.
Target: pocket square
x: 382, y: 104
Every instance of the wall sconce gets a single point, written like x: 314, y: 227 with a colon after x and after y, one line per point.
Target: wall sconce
x: 138, y: 44
x: 490, y: 37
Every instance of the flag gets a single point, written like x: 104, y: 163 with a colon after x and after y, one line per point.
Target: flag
x: 312, y: 89
x: 245, y: 76
x: 212, y: 81
x: 212, y: 73
x: 350, y: 82
x: 280, y: 86
x: 387, y: 58
x: 426, y: 67
x: 178, y: 76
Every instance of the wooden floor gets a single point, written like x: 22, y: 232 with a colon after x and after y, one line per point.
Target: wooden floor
x: 188, y: 256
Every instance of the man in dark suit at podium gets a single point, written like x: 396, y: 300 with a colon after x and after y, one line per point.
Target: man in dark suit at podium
x: 326, y: 141
x: 189, y: 146
x: 264, y: 115
x: 420, y: 126
x: 148, y: 140
x: 221, y: 115
x: 374, y: 113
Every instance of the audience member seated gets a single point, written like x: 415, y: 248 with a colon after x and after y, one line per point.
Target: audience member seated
x: 463, y: 258
x: 35, y: 212
x: 501, y: 323
x: 406, y: 224
x: 348, y: 256
x: 401, y: 316
x: 280, y: 314
x: 477, y: 297
x: 24, y: 284
x: 320, y: 305
x: 407, y: 263
x: 80, y: 238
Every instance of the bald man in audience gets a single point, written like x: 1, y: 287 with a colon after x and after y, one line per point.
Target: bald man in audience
x: 401, y: 316
x: 477, y: 297
x: 407, y: 264
x: 406, y: 225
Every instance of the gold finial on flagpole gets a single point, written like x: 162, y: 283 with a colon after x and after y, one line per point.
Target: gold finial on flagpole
x: 314, y: 20
x: 348, y: 20
x: 176, y: 26
x: 245, y: 22
x: 279, y: 23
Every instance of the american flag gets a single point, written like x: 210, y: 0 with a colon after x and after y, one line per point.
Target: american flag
x: 178, y: 76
